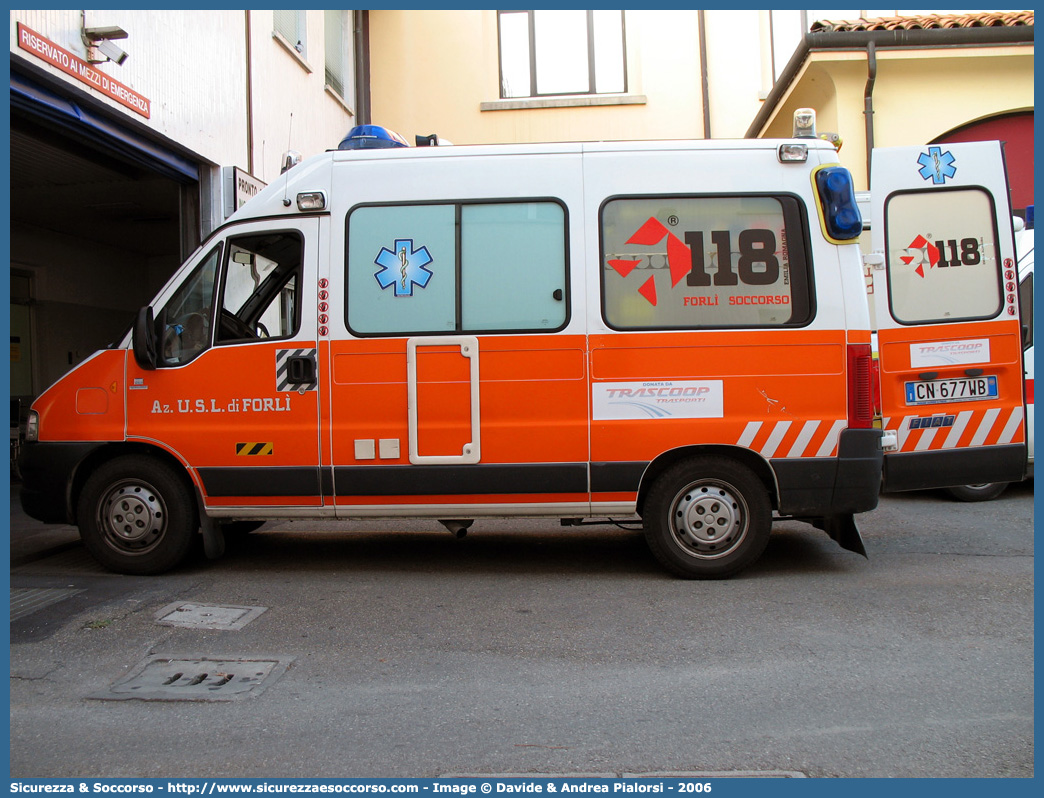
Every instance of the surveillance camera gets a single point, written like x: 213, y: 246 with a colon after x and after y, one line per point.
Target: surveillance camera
x: 111, y: 51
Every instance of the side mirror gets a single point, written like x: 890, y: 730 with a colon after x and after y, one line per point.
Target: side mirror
x: 144, y: 339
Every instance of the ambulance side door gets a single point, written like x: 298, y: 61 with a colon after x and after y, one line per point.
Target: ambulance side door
x: 947, y: 316
x: 234, y: 394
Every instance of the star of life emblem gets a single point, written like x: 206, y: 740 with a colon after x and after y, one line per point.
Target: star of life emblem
x: 936, y: 165
x: 403, y: 267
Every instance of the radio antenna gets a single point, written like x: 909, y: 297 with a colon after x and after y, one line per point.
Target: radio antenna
x: 287, y: 164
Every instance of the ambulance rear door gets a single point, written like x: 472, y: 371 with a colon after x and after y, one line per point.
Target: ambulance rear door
x: 947, y: 316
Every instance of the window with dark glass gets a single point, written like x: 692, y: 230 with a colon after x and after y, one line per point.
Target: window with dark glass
x: 942, y: 256
x: 704, y: 262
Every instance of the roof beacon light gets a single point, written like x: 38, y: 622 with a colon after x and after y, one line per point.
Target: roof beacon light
x: 805, y: 123
x: 838, y: 203
x: 371, y: 137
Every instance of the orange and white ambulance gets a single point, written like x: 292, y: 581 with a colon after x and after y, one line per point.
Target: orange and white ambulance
x: 676, y: 332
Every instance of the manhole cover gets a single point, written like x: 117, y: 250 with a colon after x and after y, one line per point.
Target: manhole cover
x: 25, y: 601
x: 207, y: 616
x: 197, y: 678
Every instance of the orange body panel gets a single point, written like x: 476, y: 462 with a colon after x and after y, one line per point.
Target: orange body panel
x: 973, y: 423
x: 91, y: 407
x: 783, y: 393
x: 532, y: 392
x: 223, y: 410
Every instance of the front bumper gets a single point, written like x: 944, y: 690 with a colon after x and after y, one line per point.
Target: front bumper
x: 48, y: 472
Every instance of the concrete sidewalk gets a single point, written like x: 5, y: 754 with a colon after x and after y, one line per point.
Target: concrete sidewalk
x: 32, y: 540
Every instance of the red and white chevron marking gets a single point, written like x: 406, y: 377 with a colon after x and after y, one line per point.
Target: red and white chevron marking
x: 988, y: 427
x: 791, y: 439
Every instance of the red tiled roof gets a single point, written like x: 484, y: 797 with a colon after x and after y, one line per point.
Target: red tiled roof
x: 985, y: 19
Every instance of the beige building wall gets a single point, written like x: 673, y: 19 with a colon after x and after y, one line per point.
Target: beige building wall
x: 438, y: 72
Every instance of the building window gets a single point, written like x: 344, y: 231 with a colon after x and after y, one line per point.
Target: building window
x: 544, y: 53
x: 457, y: 268
x: 676, y: 263
x: 337, y: 32
x: 291, y: 26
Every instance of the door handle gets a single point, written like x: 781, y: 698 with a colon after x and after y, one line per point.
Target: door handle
x: 301, y: 370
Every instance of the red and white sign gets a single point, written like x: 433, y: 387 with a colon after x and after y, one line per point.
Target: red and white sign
x: 31, y: 41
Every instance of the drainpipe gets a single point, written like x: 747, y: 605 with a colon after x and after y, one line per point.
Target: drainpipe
x: 704, y: 78
x: 249, y: 98
x: 361, y: 33
x: 868, y: 103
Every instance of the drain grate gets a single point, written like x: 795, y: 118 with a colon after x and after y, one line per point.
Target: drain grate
x: 197, y: 679
x: 207, y: 616
x: 25, y: 601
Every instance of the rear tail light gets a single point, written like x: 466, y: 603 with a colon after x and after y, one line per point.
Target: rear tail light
x: 860, y: 386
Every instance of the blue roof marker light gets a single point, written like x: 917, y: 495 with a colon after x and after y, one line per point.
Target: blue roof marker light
x: 837, y: 200
x: 371, y: 137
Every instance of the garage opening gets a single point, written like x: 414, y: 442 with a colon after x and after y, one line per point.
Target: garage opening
x: 96, y: 230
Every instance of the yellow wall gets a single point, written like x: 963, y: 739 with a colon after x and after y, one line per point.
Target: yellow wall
x: 433, y: 70
x: 436, y: 72
x: 918, y: 95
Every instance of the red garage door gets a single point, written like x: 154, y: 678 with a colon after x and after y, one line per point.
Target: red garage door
x: 1016, y: 131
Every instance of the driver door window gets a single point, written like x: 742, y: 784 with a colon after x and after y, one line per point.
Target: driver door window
x: 259, y: 296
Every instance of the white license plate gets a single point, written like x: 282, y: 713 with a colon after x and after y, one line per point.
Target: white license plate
x: 960, y: 389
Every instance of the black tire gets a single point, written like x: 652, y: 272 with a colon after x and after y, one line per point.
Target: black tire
x: 978, y: 493
x: 137, y: 515
x: 707, y: 518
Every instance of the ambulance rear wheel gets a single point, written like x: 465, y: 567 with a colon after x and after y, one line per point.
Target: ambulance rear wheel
x: 707, y: 518
x: 137, y: 515
x: 985, y: 492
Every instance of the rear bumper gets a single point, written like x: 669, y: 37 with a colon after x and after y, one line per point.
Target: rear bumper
x: 820, y: 487
x: 950, y: 467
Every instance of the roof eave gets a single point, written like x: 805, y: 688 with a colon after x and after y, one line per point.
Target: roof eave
x: 882, y: 39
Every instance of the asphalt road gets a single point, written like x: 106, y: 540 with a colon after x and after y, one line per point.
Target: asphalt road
x: 400, y: 651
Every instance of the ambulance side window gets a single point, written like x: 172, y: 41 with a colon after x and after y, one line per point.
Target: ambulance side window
x: 513, y: 266
x: 705, y: 262
x: 260, y: 297
x: 942, y: 257
x: 457, y: 267
x: 185, y: 321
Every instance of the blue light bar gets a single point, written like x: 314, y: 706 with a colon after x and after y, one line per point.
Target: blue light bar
x: 371, y: 137
x: 837, y: 199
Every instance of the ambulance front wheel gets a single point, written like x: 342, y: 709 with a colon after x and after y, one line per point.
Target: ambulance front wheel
x: 707, y: 518
x: 137, y: 515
